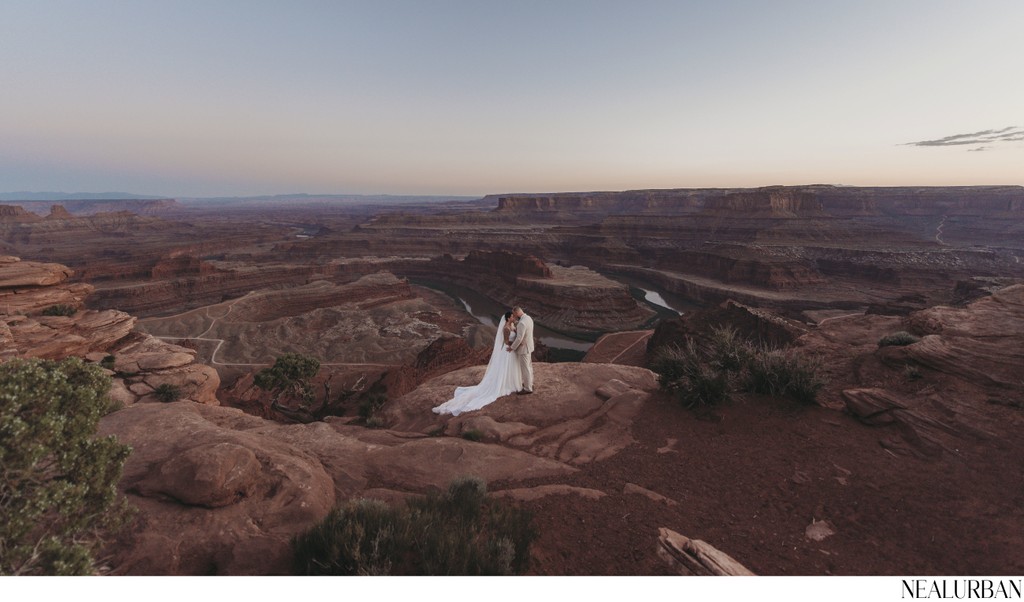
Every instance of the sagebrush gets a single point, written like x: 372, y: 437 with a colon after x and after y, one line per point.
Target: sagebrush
x: 60, y: 310
x: 901, y: 338
x: 704, y: 373
x: 458, y: 532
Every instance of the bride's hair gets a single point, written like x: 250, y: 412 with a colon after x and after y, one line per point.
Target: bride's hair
x: 508, y: 315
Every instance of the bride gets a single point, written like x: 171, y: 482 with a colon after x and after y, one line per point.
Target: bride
x: 503, y: 375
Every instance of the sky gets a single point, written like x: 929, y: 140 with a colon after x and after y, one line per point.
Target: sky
x: 234, y: 98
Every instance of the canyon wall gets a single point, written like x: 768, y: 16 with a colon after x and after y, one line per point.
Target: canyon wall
x: 568, y: 299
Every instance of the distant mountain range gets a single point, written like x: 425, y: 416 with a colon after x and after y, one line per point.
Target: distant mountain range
x: 301, y: 198
x: 318, y: 199
x: 73, y: 196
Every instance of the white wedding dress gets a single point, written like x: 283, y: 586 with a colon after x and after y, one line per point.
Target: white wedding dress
x: 503, y: 376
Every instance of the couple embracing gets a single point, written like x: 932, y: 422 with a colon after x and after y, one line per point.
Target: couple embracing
x: 509, y: 371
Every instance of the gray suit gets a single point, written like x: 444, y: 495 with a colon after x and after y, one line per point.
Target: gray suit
x: 523, y: 347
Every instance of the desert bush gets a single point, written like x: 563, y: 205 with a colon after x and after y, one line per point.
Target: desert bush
x: 784, y: 373
x: 60, y: 310
x: 472, y: 435
x: 686, y: 372
x: 108, y: 362
x: 704, y: 375
x: 898, y: 339
x: 167, y: 393
x: 727, y: 350
x: 458, y: 532
x: 58, y: 480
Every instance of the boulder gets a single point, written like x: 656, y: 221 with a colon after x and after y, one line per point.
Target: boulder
x: 15, y: 273
x: 577, y: 414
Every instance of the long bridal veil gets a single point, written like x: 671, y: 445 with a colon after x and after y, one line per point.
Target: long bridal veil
x: 502, y: 377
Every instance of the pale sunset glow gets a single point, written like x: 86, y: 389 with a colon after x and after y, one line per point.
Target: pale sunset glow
x: 469, y: 98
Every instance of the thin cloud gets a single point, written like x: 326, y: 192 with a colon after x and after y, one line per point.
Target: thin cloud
x: 1008, y: 134
x: 978, y: 150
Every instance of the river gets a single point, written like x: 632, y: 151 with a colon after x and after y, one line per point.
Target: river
x: 563, y: 347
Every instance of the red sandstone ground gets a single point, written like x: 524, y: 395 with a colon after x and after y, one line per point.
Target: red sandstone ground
x: 750, y: 479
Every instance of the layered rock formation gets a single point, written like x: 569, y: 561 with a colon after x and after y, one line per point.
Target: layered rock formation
x: 794, y: 248
x: 139, y: 364
x: 183, y: 281
x: 28, y: 291
x: 773, y: 202
x: 959, y: 382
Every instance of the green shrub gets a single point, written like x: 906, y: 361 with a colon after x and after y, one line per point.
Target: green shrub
x: 784, y: 374
x: 108, y: 362
x: 686, y: 373
x: 60, y: 310
x: 727, y: 350
x: 58, y: 480
x: 167, y: 393
x: 898, y: 339
x: 704, y: 375
x: 459, y: 532
x: 472, y: 435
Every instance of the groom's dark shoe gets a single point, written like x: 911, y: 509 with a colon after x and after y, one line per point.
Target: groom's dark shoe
x: 523, y: 392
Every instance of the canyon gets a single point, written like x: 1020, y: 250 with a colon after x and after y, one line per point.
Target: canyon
x: 904, y: 456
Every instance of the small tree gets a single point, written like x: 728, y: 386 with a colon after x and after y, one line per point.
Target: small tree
x: 289, y: 378
x: 57, y: 480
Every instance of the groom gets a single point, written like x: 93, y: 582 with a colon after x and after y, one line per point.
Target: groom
x: 523, y: 347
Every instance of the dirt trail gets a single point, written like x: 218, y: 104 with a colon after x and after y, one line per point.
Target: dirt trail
x: 230, y: 305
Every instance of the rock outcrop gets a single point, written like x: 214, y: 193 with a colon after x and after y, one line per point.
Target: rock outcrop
x: 982, y: 343
x: 223, y: 492
x: 578, y: 413
x: 959, y: 382
x: 139, y: 364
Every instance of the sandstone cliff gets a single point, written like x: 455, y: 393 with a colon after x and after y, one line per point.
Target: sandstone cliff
x: 138, y: 363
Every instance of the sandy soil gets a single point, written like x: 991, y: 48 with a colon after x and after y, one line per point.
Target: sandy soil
x: 750, y: 479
